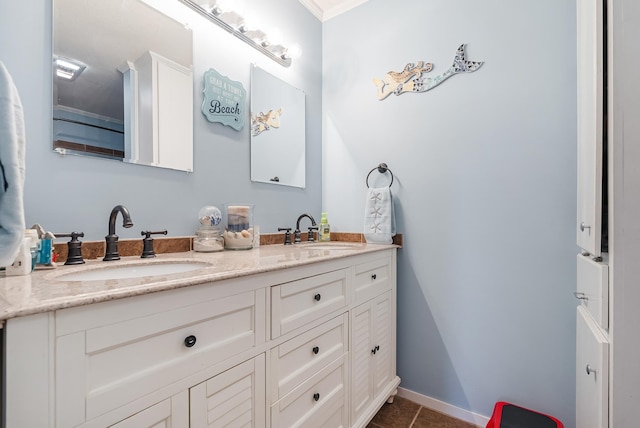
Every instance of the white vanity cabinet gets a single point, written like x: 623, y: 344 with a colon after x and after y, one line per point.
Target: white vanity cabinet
x: 592, y: 288
x: 276, y: 349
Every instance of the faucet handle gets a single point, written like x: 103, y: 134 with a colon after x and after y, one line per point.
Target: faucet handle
x: 74, y: 247
x: 310, y: 233
x: 287, y: 234
x: 147, y: 241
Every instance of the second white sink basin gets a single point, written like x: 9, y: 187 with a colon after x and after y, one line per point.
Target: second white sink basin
x: 332, y: 246
x: 132, y: 271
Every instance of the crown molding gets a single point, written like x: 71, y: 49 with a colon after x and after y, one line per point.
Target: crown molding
x: 326, y: 14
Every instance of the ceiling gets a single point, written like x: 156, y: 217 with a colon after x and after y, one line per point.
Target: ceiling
x: 327, y: 9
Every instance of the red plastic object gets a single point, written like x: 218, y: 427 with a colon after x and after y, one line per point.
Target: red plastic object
x: 507, y: 415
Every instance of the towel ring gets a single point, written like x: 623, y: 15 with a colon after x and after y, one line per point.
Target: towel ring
x: 382, y: 168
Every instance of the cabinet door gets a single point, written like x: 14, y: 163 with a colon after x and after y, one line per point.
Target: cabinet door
x: 590, y: 123
x: 383, y: 364
x: 235, y: 398
x: 372, y: 348
x: 170, y: 413
x: 592, y: 373
x: 361, y: 361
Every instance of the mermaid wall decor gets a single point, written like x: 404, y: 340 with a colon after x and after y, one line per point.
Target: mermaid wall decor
x: 413, y: 79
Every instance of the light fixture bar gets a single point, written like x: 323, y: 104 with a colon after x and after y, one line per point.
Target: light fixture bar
x: 283, y: 60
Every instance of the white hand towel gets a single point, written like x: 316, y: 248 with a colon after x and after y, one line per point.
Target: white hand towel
x: 12, y: 147
x: 379, y: 216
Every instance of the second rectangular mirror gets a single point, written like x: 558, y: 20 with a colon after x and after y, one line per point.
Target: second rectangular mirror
x: 277, y: 131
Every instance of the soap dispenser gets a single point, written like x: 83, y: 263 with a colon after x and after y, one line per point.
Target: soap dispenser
x: 324, y: 230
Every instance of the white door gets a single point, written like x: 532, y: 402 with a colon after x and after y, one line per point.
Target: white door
x: 592, y: 373
x: 590, y: 63
x: 235, y: 398
x: 382, y: 357
x: 361, y: 359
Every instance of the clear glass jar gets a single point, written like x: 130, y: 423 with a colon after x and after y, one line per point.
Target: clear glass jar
x: 208, y: 240
x: 239, y: 228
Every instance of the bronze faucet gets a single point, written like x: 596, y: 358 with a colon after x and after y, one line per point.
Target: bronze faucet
x: 111, y: 252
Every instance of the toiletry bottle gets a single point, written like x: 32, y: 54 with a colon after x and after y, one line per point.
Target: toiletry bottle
x: 22, y: 264
x: 324, y: 230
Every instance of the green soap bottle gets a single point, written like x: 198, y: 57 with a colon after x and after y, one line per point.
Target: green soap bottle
x: 324, y: 230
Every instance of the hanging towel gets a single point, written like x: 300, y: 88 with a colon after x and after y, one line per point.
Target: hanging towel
x: 379, y: 217
x: 12, y: 146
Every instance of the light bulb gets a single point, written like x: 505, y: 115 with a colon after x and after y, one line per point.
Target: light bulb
x: 293, y: 52
x: 274, y: 37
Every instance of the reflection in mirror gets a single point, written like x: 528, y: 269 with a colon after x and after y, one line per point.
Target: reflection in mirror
x: 122, y: 83
x: 277, y: 131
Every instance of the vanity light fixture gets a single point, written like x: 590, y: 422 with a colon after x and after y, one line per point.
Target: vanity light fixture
x: 68, y: 68
x: 217, y: 12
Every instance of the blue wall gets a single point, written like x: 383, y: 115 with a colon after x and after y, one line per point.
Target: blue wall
x: 485, y: 189
x: 77, y: 193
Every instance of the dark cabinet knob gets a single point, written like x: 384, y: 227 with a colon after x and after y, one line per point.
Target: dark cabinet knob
x: 375, y: 349
x: 189, y: 341
x: 316, y: 350
x: 317, y: 297
x: 374, y: 276
x: 316, y: 396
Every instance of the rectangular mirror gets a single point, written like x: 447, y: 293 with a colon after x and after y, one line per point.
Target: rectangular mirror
x: 122, y: 83
x: 277, y: 131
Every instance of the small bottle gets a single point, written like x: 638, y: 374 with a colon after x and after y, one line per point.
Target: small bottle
x: 22, y: 264
x: 324, y: 230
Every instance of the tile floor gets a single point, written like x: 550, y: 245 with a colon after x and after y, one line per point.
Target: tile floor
x: 403, y: 413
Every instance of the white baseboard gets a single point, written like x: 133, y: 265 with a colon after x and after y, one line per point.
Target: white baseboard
x: 442, y: 407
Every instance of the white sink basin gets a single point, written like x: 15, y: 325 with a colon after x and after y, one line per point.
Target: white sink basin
x: 137, y: 270
x: 327, y: 246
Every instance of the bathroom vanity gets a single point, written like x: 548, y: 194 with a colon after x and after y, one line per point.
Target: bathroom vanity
x: 277, y: 336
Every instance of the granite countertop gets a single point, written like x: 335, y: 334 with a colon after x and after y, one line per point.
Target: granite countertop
x: 43, y: 290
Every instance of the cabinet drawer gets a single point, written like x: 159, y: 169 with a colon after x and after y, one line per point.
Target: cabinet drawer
x: 593, y: 289
x: 107, y: 366
x: 297, y: 303
x: 316, y: 401
x: 299, y: 358
x: 372, y: 278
